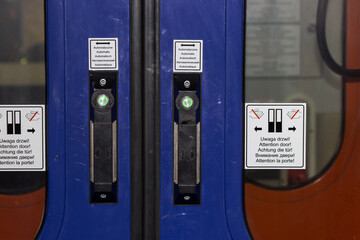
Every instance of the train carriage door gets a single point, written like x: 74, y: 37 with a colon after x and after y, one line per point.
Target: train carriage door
x: 88, y: 120
x: 200, y: 126
x: 304, y: 52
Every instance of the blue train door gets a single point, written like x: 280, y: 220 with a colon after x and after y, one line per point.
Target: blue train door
x: 201, y: 120
x: 88, y: 66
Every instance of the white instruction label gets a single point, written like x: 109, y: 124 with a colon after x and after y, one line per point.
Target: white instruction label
x: 22, y: 138
x: 275, y: 136
x: 103, y: 54
x: 188, y: 55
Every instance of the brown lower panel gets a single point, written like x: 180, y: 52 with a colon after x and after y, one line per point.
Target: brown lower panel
x: 21, y: 215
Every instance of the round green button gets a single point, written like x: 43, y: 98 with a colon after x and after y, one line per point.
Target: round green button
x: 102, y: 100
x: 187, y: 102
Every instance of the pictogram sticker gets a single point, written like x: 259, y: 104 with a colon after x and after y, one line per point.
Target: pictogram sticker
x: 275, y: 136
x: 22, y: 138
x: 188, y: 55
x: 103, y: 54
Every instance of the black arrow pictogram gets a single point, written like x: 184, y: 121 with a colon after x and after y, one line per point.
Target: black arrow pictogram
x: 292, y: 128
x: 257, y: 128
x: 31, y: 130
x: 188, y: 45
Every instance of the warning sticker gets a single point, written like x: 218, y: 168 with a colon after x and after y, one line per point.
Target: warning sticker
x: 22, y: 138
x: 103, y: 54
x: 275, y: 136
x: 188, y: 55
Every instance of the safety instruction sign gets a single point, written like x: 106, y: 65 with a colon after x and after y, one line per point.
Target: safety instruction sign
x: 188, y: 55
x: 22, y: 138
x: 103, y: 54
x: 275, y: 136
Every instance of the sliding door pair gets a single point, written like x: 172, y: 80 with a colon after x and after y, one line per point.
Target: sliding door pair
x: 144, y: 120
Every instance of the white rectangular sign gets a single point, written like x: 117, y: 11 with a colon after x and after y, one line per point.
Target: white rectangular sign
x: 188, y: 55
x: 22, y: 138
x: 275, y: 136
x: 103, y: 54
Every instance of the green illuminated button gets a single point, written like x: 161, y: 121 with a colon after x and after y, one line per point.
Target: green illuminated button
x: 187, y: 102
x: 102, y: 100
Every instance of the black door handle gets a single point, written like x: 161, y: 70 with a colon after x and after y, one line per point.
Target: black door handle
x: 187, y: 139
x: 103, y: 137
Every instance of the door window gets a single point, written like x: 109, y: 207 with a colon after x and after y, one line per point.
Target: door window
x: 22, y: 82
x: 283, y: 65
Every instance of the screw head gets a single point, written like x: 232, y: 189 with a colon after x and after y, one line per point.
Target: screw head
x: 103, y: 82
x: 187, y: 84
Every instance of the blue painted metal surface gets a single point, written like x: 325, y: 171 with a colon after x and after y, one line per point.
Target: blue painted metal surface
x: 219, y: 23
x: 235, y: 34
x: 69, y: 215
